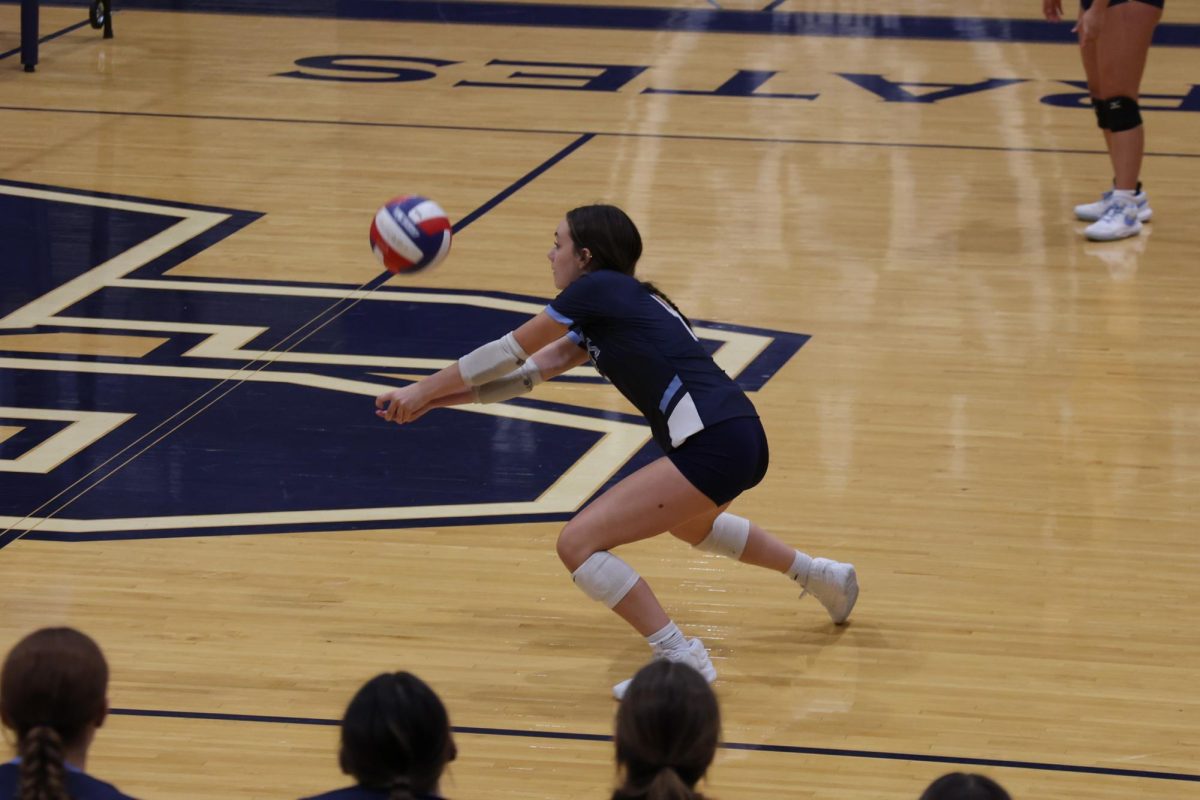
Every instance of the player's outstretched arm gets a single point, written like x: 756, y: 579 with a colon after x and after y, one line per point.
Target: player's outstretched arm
x: 552, y: 360
x: 482, y: 365
x: 558, y: 357
x: 458, y: 399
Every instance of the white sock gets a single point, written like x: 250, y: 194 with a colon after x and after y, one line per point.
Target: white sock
x: 799, y: 569
x: 1127, y: 193
x: 668, y: 638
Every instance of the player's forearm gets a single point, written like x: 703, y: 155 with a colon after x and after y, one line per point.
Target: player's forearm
x: 443, y: 383
x: 456, y: 399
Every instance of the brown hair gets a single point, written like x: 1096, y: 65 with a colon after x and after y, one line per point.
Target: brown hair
x: 614, y: 242
x: 396, y: 736
x: 668, y: 726
x: 52, y: 693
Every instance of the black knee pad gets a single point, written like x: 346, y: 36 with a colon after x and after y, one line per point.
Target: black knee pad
x: 1101, y: 110
x: 1122, y: 114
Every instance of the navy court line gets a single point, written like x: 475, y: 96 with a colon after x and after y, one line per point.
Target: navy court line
x: 46, y: 38
x: 648, y: 18
x: 523, y: 181
x: 617, y: 134
x: 769, y: 748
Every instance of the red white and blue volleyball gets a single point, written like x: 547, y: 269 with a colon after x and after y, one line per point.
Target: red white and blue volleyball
x: 410, y: 233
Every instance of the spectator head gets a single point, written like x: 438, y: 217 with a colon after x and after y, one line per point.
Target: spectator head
x: 396, y: 736
x: 668, y: 726
x: 53, y: 696
x: 964, y: 786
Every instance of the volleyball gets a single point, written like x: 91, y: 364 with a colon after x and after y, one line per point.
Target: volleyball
x: 410, y: 233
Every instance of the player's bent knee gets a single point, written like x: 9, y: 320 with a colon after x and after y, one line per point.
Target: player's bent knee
x: 728, y: 536
x: 573, y: 547
x: 605, y: 578
x: 1122, y: 113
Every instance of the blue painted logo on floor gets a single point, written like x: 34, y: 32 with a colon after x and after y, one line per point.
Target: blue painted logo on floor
x: 245, y: 406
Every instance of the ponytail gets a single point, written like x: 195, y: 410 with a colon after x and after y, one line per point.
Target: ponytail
x: 664, y: 784
x: 661, y: 295
x: 43, y: 774
x: 401, y: 789
x: 667, y: 785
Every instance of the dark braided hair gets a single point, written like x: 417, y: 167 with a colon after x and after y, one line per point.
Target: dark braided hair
x: 396, y: 736
x: 52, y: 694
x: 610, y: 236
x: 668, y: 726
x: 43, y: 766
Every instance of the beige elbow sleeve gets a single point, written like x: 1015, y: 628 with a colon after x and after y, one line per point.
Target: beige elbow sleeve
x: 514, y: 384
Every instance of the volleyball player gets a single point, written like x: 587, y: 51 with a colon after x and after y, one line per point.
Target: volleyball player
x: 713, y: 442
x: 1114, y: 41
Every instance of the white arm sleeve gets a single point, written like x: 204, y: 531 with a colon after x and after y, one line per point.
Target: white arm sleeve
x: 492, y: 360
x: 517, y: 382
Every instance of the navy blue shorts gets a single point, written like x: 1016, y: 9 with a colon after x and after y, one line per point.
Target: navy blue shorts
x: 725, y: 460
x: 1156, y: 3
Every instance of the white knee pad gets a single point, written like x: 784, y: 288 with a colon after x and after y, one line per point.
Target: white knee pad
x: 728, y: 536
x: 605, y: 577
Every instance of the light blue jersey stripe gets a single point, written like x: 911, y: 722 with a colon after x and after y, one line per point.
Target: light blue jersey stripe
x: 669, y: 394
x: 557, y: 317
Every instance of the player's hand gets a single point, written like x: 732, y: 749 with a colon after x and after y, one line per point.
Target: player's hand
x: 1090, y: 23
x: 1052, y: 9
x: 401, y: 405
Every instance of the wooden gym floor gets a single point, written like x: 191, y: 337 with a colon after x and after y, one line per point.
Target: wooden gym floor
x: 995, y: 420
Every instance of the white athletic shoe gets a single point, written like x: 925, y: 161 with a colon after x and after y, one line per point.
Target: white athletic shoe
x: 1091, y: 212
x: 1119, y: 221
x: 835, y: 584
x: 694, y: 655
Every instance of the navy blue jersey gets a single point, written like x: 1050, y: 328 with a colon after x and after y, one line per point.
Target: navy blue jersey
x: 80, y: 785
x: 639, y: 343
x: 361, y: 792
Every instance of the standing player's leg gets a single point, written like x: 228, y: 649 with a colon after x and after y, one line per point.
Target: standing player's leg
x: 833, y: 583
x: 1089, y: 53
x: 1122, y: 49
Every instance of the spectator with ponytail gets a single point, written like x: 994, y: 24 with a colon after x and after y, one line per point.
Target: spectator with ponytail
x: 668, y: 726
x: 396, y: 741
x: 53, y: 696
